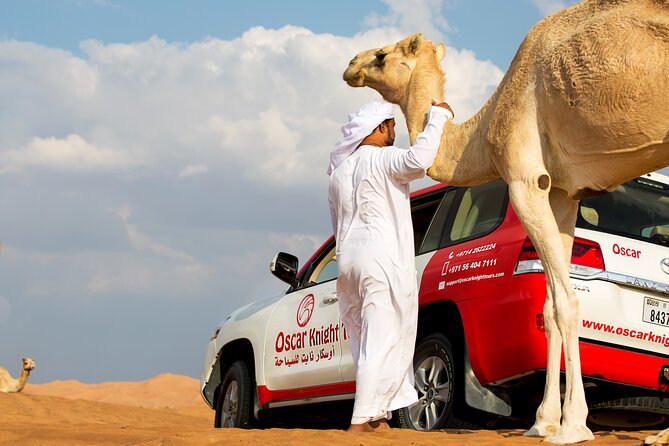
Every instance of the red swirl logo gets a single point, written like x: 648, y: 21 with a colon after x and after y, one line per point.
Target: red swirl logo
x: 305, y: 310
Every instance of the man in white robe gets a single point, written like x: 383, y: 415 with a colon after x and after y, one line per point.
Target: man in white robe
x: 376, y: 287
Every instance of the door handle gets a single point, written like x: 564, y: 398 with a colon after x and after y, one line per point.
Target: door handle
x: 332, y: 298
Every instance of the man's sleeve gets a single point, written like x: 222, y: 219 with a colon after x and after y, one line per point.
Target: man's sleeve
x: 409, y: 165
x: 333, y: 216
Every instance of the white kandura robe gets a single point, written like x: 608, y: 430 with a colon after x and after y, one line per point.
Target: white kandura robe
x: 377, y: 289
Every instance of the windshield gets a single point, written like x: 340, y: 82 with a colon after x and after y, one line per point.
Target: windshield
x: 637, y: 209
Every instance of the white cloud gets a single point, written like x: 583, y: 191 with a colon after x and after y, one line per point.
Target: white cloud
x: 469, y: 81
x: 214, y: 103
x: 409, y: 16
x: 141, y: 241
x: 51, y: 75
x: 149, y: 278
x: 547, y: 7
x: 193, y: 170
x: 72, y: 153
x: 107, y: 3
x: 297, y: 243
x: 251, y: 119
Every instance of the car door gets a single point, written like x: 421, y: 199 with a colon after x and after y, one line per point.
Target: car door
x: 302, y: 347
x: 427, y: 229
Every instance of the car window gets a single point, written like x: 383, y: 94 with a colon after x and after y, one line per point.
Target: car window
x: 479, y: 209
x: 323, y: 269
x: 638, y: 209
x: 428, y: 239
x: 423, y: 210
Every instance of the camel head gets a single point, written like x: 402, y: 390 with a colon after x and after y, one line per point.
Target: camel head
x: 394, y: 69
x: 28, y: 364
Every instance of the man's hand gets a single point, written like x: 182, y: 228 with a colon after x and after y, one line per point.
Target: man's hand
x: 443, y: 105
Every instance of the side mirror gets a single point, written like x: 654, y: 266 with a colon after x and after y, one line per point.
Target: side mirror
x: 284, y: 267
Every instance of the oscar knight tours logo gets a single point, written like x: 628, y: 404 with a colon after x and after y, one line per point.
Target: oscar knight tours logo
x: 309, y: 337
x: 305, y: 310
x: 626, y: 252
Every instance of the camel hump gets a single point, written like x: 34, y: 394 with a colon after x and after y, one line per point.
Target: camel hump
x: 619, y: 54
x: 593, y: 25
x: 609, y: 74
x: 595, y: 73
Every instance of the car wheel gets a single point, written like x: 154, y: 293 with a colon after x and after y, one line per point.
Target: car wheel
x: 434, y: 368
x: 235, y: 398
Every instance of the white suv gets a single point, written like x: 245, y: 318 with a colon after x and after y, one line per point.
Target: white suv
x: 480, y: 342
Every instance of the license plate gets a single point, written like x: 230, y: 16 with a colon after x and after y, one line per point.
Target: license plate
x: 656, y: 311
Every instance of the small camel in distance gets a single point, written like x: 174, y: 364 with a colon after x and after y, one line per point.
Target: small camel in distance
x: 11, y: 385
x: 581, y: 109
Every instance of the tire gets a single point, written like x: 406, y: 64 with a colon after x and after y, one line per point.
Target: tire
x: 235, y: 399
x: 630, y: 414
x: 436, y: 384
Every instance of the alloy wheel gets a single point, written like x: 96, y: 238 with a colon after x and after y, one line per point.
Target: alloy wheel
x: 230, y: 405
x: 434, y: 392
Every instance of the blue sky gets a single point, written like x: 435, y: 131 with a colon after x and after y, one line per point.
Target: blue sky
x: 155, y: 155
x: 491, y: 28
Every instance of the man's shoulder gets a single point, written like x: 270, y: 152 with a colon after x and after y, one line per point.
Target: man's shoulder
x: 379, y: 151
x: 392, y: 152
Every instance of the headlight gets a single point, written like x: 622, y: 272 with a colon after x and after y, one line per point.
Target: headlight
x: 218, y: 329
x: 215, y: 333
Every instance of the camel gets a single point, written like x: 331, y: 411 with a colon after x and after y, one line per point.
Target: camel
x: 581, y: 109
x: 11, y: 385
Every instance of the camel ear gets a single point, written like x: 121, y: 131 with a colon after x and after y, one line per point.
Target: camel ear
x: 440, y: 50
x: 416, y: 40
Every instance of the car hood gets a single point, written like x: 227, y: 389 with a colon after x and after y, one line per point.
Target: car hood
x: 254, y: 307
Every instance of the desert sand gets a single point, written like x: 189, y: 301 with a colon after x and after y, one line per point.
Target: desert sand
x: 167, y: 410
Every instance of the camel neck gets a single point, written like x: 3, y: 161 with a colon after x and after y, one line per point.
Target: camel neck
x: 22, y: 380
x: 463, y: 158
x: 425, y: 87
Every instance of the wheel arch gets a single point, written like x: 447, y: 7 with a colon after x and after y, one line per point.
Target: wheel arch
x: 442, y: 317
x: 239, y: 349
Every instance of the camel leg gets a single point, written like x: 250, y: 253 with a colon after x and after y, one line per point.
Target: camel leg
x: 530, y: 198
x: 530, y: 203
x: 547, y: 419
x: 574, y: 409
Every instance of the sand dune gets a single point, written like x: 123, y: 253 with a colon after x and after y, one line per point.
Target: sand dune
x: 166, y: 390
x: 36, y: 417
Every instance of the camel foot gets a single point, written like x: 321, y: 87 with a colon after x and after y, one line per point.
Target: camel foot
x: 660, y: 439
x: 571, y: 434
x: 541, y: 429
x: 364, y: 427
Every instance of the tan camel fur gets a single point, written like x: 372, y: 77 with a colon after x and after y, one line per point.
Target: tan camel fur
x: 582, y: 109
x: 661, y: 439
x: 9, y: 384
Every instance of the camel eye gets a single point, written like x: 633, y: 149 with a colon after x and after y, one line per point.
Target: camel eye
x: 380, y: 56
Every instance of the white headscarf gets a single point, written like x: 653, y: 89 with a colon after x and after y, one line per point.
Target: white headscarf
x: 358, y: 127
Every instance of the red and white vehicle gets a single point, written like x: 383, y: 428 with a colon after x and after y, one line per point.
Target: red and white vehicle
x: 481, y: 347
